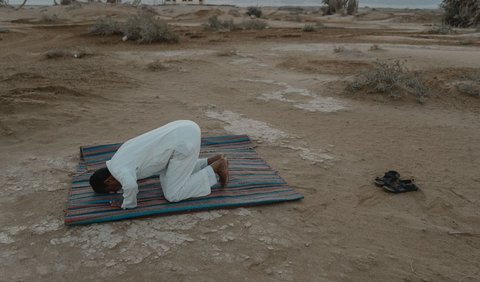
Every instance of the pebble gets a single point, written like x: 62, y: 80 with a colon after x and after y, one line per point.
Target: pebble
x: 248, y: 224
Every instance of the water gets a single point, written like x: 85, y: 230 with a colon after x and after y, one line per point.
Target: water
x: 412, y: 4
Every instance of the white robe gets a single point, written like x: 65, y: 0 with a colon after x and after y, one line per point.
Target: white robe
x: 172, y: 152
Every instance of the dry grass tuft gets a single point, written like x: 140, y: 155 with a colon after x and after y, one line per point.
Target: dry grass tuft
x: 214, y: 23
x: 228, y: 25
x: 146, y: 28
x: 309, y: 28
x: 142, y: 28
x: 375, y: 47
x: 227, y: 53
x: 338, y: 49
x: 392, y: 79
x: 106, y: 26
x: 158, y: 66
x: 441, y: 29
x: 469, y: 83
x: 49, y: 19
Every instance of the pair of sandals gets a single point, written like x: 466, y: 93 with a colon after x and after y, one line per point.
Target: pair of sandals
x: 392, y: 183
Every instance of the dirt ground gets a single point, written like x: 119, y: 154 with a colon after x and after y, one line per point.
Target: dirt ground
x: 283, y: 87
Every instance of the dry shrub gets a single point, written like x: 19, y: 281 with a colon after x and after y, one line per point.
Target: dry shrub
x: 254, y: 11
x: 46, y: 18
x: 143, y: 28
x: 227, y: 53
x: 469, y: 83
x: 214, y: 23
x: 441, y: 29
x: 106, y: 26
x: 344, y: 7
x: 309, y: 28
x: 375, y: 47
x: 228, y: 25
x: 146, y: 28
x: 338, y: 49
x: 461, y: 13
x: 390, y: 78
x: 253, y: 24
x: 157, y: 66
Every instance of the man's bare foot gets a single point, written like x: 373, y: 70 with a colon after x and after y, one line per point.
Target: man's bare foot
x: 220, y: 167
x: 215, y: 158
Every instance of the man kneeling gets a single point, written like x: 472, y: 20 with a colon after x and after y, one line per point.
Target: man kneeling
x: 171, y: 151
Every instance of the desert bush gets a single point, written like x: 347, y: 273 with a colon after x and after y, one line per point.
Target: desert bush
x: 66, y: 2
x: 391, y: 78
x: 253, y: 24
x: 348, y: 7
x: 106, y: 26
x: 157, y: 66
x: 441, y: 29
x: 254, y: 11
x: 469, y: 83
x: 145, y: 28
x: 46, y: 18
x: 461, y: 13
x: 3, y: 3
x: 309, y: 28
x: 469, y: 88
x: 227, y: 53
x: 375, y: 47
x: 215, y: 24
x: 338, y: 49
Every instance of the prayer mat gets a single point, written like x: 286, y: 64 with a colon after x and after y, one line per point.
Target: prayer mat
x: 252, y: 182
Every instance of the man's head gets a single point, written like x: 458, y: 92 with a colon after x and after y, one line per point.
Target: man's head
x: 103, y: 182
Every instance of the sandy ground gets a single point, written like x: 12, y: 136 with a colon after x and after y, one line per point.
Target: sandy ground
x: 283, y: 87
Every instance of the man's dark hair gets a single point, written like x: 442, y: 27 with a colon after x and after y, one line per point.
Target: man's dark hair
x: 97, y: 180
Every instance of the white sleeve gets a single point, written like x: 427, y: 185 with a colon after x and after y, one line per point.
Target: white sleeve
x: 200, y: 164
x: 130, y: 191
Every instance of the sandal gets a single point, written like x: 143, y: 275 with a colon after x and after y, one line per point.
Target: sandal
x: 389, y: 177
x: 401, y: 186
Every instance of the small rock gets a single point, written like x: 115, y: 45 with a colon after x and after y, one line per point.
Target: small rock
x: 248, y: 224
x: 125, y: 38
x: 307, y: 244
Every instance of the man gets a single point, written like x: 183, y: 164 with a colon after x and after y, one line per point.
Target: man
x: 171, y: 151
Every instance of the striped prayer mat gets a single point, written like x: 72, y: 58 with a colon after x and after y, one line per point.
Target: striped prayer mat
x: 252, y: 182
